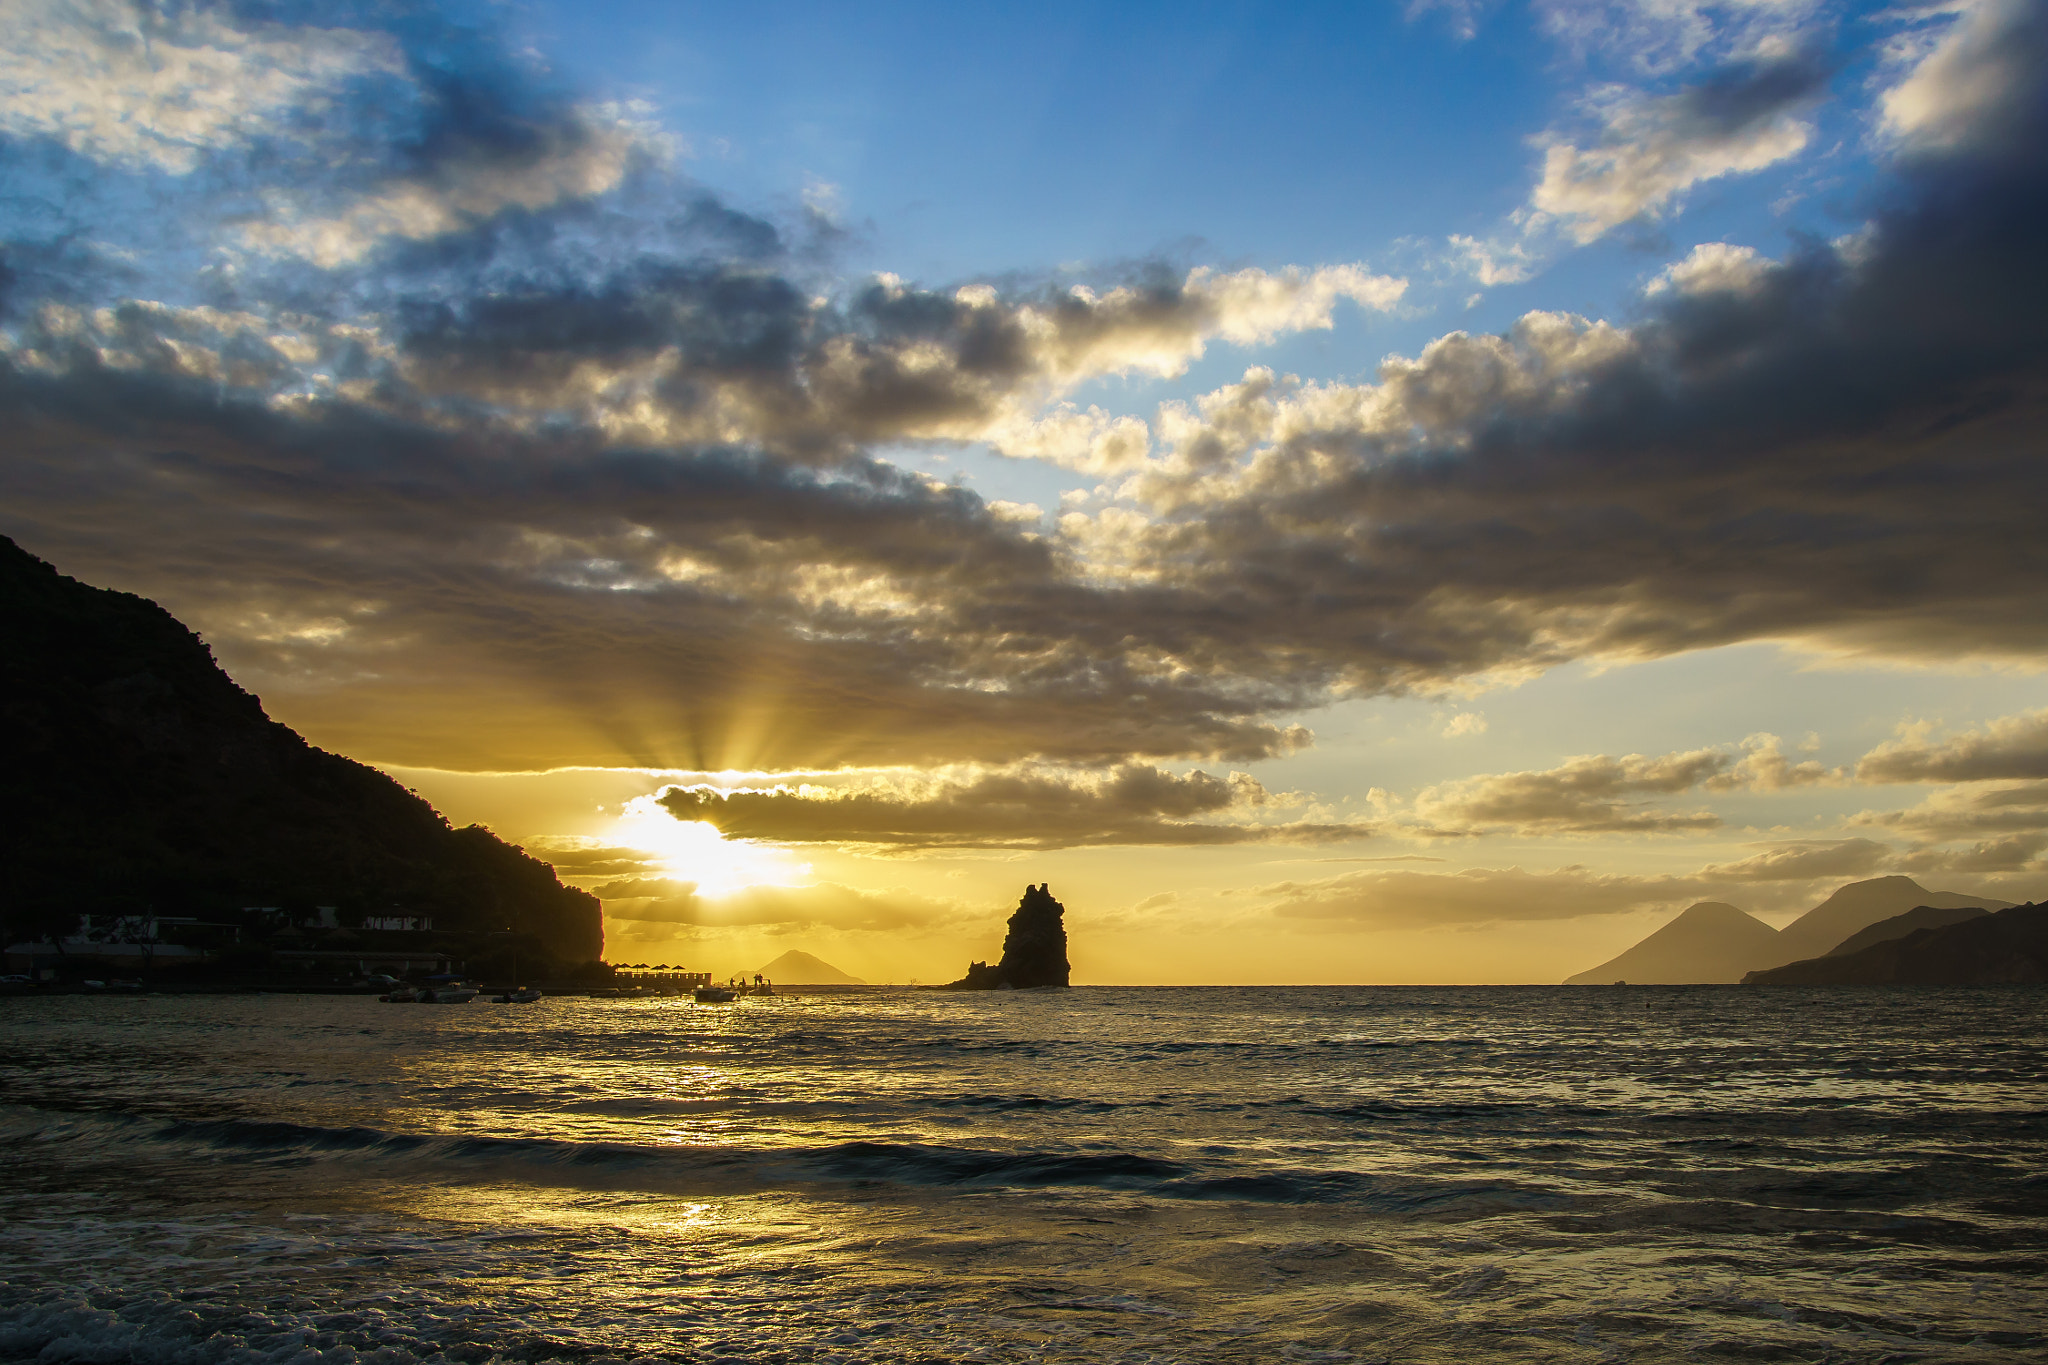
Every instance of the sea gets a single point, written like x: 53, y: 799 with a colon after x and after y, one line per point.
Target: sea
x: 1398, y: 1174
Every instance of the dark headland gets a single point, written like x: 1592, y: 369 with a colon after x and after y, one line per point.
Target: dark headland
x: 1034, y: 951
x: 2007, y: 948
x: 140, y: 785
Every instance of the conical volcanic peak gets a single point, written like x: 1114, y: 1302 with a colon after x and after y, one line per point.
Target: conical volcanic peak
x: 797, y: 968
x: 1710, y: 943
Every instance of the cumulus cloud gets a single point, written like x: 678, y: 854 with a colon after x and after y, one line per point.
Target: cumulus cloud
x: 161, y: 86
x: 1836, y: 452
x: 1713, y: 268
x: 1650, y: 149
x: 1028, y: 808
x: 2009, y: 747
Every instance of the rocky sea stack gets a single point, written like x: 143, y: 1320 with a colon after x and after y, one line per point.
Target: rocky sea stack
x: 1034, y: 951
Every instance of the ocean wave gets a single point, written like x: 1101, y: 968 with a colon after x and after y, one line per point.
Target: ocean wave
x: 456, y: 1158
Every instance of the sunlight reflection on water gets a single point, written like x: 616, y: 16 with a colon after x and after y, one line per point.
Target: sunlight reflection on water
x: 1088, y: 1175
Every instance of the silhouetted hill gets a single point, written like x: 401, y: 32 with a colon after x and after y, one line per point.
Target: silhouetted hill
x: 1709, y: 943
x: 1898, y: 926
x: 1859, y: 905
x: 138, y: 776
x: 1034, y: 950
x: 801, y: 969
x: 2006, y: 948
x: 1712, y: 943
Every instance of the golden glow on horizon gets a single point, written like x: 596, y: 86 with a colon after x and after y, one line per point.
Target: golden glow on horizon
x: 693, y: 851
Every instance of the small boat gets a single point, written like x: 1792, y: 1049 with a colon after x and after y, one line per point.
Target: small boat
x: 400, y: 995
x: 713, y: 995
x: 525, y: 995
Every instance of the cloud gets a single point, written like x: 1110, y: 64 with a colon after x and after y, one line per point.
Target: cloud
x: 2012, y: 854
x: 1464, y: 723
x: 1835, y: 454
x: 1969, y: 812
x: 1132, y: 804
x: 1598, y: 794
x: 1713, y: 268
x: 161, y: 87
x: 2009, y: 747
x: 1589, y: 795
x: 1779, y: 876
x: 1652, y: 148
x: 592, y: 478
x: 1462, y: 15
x: 1403, y: 899
x: 569, y: 159
x: 1976, y: 82
x: 1805, y: 861
x: 1764, y: 767
x: 827, y: 905
x: 1662, y: 35
x: 1493, y: 262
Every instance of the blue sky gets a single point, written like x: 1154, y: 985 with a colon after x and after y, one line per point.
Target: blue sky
x: 1375, y: 492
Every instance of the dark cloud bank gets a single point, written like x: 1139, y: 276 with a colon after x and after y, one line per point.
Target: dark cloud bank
x: 567, y: 462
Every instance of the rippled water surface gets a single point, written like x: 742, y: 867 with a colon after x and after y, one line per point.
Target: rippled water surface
x: 1091, y: 1175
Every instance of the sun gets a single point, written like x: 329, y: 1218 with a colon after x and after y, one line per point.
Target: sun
x: 692, y: 851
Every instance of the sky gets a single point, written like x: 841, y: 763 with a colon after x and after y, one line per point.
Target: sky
x: 1365, y: 493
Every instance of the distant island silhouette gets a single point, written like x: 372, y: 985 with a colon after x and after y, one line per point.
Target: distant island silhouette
x: 144, y: 783
x: 2006, y: 948
x: 1034, y: 950
x: 795, y: 968
x: 1717, y: 944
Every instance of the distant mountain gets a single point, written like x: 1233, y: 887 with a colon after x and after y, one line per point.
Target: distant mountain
x: 1859, y: 905
x: 801, y: 969
x: 1899, y: 926
x: 2007, y: 948
x: 136, y: 776
x: 1709, y: 943
x: 1716, y: 944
